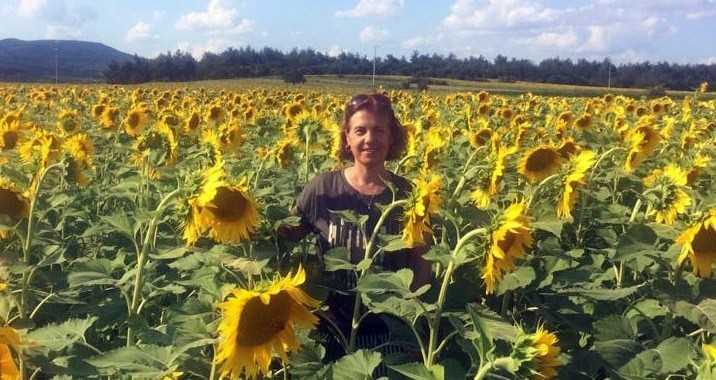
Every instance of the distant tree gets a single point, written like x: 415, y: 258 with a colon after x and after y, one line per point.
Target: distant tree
x: 293, y: 77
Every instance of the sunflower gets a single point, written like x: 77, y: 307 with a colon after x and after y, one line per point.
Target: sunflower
x: 43, y: 148
x: 643, y: 142
x: 579, y: 165
x: 568, y: 148
x: 81, y: 148
x: 669, y: 199
x: 709, y: 352
x: 9, y: 136
x: 67, y: 121
x: 9, y: 339
x: 545, y: 354
x: 700, y: 162
x: 540, y: 163
x: 699, y: 245
x: 260, y: 323
x: 135, y: 121
x: 508, y: 242
x: 108, y: 120
x: 225, y: 210
x: 215, y: 115
x: 423, y: 202
x: 489, y: 186
x: 480, y: 138
x: 13, y: 206
x: 192, y: 124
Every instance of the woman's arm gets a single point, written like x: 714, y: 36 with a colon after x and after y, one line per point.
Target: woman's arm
x: 293, y: 233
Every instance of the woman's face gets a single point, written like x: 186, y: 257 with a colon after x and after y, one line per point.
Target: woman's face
x: 368, y: 138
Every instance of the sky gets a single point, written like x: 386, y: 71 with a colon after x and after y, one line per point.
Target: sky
x: 682, y: 31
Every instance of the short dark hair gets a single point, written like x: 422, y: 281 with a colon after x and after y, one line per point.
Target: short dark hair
x: 378, y: 104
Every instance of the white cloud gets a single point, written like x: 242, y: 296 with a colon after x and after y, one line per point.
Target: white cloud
x: 373, y: 8
x: 197, y: 50
x: 372, y: 34
x: 30, y: 8
x: 709, y: 61
x: 558, y: 40
x: 414, y: 42
x: 62, y: 32
x: 499, y: 14
x: 216, y: 16
x: 139, y: 32
x: 335, y: 51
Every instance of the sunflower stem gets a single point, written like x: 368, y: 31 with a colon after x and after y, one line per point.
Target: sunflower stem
x: 355, y: 321
x: 27, y: 246
x: 141, y: 261
x: 538, y: 188
x: 602, y: 157
x: 434, y: 323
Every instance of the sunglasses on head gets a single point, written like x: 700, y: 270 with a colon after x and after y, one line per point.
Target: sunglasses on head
x: 361, y: 99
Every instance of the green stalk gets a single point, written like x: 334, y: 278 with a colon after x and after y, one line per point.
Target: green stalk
x: 485, y: 369
x: 142, y: 260
x: 435, y: 322
x: 355, y: 321
x: 27, y: 244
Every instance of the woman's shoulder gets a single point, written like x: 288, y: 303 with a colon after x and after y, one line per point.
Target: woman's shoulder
x: 324, y: 181
x: 401, y: 183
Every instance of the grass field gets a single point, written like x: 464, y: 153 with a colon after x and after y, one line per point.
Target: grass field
x: 363, y: 83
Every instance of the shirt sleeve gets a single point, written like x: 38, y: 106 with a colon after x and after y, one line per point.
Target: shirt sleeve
x: 306, y: 205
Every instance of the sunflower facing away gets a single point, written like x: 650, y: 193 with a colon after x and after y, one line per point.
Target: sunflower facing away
x: 423, y: 202
x: 508, y: 242
x: 579, y: 166
x: 226, y: 211
x: 484, y: 193
x: 260, y: 323
x: 543, y: 349
x: 9, y: 339
x: 13, y: 206
x: 699, y: 245
x: 671, y: 200
x: 539, y: 163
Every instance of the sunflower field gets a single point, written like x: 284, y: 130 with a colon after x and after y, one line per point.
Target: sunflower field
x: 570, y: 238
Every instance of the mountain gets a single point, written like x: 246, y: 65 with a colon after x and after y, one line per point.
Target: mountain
x: 34, y: 61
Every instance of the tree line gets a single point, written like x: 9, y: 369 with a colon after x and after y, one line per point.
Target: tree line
x: 248, y: 62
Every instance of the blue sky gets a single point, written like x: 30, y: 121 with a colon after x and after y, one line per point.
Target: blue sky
x: 624, y: 30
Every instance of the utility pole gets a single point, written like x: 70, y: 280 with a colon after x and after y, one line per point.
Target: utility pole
x: 56, y: 65
x: 375, y: 48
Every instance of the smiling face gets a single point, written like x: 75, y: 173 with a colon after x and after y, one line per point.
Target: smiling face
x: 368, y: 138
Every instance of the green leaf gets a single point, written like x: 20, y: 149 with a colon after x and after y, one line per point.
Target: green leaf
x: 56, y: 337
x: 613, y: 327
x: 553, y: 226
x: 639, y: 240
x: 144, y: 361
x: 394, y: 282
x: 617, y: 352
x: 120, y: 221
x: 338, y: 259
x: 392, y: 243
x: 602, y: 294
x: 438, y: 253
x: 418, y: 371
x: 95, y: 272
x: 703, y: 314
x: 672, y: 355
x: 520, y: 278
x: 357, y: 366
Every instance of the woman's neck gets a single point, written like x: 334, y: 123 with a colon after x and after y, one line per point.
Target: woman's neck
x: 366, y: 179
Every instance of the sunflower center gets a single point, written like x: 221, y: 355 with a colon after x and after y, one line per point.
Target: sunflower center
x: 259, y: 323
x: 11, y: 205
x: 9, y: 139
x: 704, y: 242
x: 228, y: 205
x: 541, y: 160
x: 133, y: 120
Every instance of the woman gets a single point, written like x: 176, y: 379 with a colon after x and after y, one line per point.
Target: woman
x: 370, y: 136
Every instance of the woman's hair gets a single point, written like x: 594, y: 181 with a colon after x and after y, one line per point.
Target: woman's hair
x: 379, y: 105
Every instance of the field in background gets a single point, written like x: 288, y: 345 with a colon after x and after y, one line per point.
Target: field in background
x: 363, y: 83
